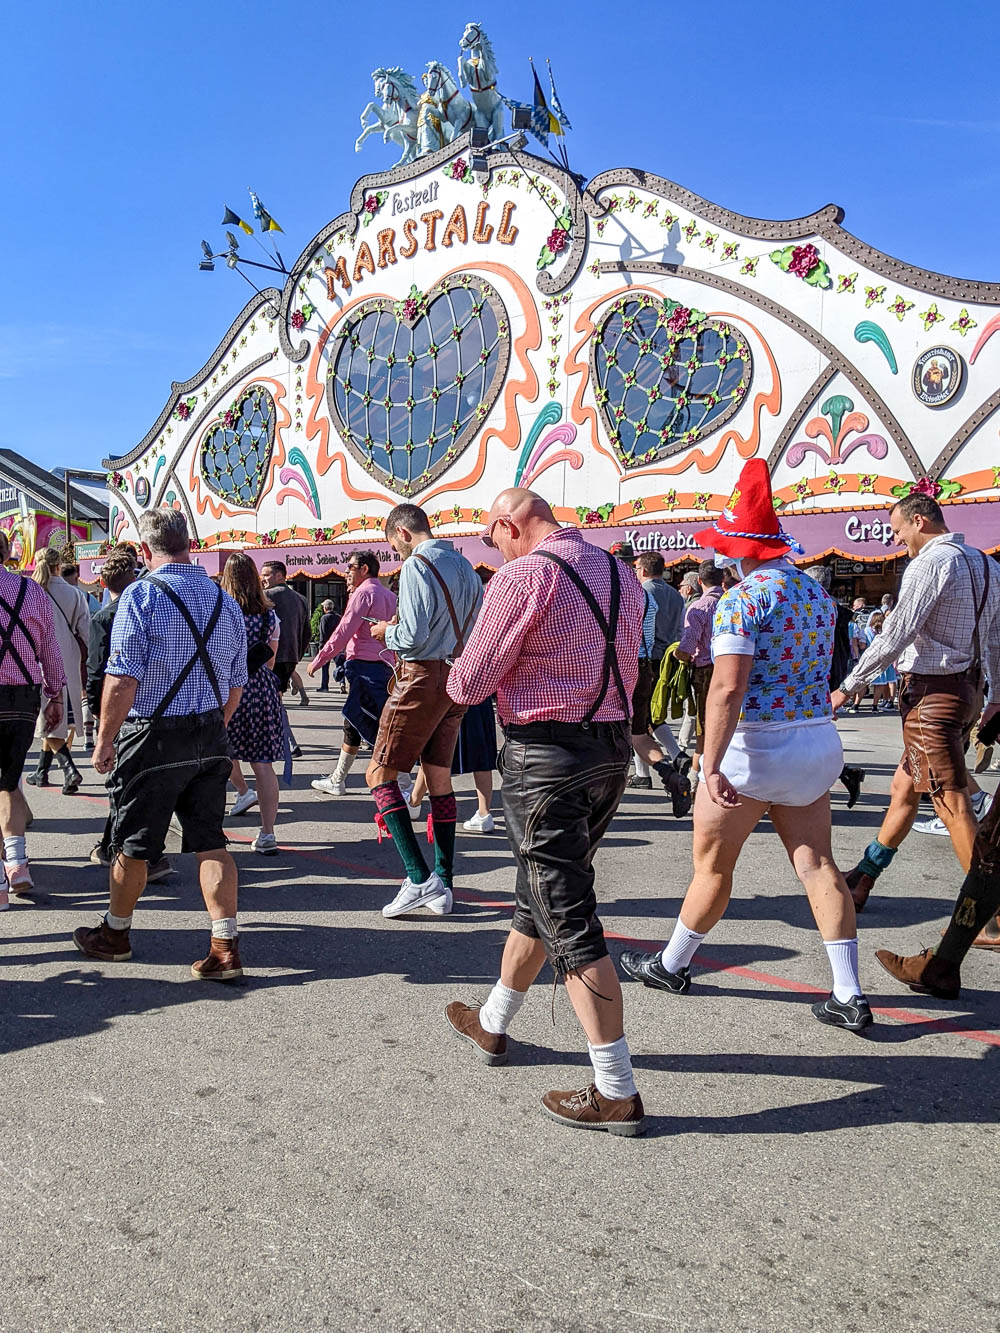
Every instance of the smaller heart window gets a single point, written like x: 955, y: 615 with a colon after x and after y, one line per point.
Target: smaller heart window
x: 236, y: 452
x: 665, y: 376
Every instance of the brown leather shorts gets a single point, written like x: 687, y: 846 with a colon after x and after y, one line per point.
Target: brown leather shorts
x: 939, y: 713
x: 419, y: 720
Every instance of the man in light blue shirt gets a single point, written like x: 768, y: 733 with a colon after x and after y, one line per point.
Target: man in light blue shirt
x: 439, y: 598
x: 175, y: 675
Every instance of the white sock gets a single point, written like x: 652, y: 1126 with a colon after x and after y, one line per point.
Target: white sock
x: 117, y: 922
x: 613, y: 1069
x: 681, y: 947
x: 843, y: 956
x: 501, y: 1006
x: 665, y: 739
x: 224, y: 928
x: 641, y: 767
x: 14, y: 849
x: 343, y: 766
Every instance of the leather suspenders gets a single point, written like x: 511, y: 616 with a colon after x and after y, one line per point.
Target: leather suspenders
x: 201, y: 638
x: 608, y: 625
x: 16, y: 623
x: 460, y: 631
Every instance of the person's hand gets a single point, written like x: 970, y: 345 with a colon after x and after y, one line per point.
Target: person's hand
x: 52, y: 715
x: 837, y: 700
x: 377, y: 631
x: 311, y: 668
x: 103, y: 757
x: 722, y: 791
x: 989, y: 711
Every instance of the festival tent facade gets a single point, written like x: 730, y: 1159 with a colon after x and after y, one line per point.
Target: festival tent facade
x: 620, y: 346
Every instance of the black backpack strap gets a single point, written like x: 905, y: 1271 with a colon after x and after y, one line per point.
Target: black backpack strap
x: 608, y: 625
x: 16, y: 623
x: 201, y: 640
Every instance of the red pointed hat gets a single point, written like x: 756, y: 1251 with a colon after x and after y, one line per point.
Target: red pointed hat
x: 748, y: 526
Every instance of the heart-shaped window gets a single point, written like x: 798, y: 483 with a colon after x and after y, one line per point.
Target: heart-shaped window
x: 413, y: 381
x: 665, y: 376
x: 237, y: 450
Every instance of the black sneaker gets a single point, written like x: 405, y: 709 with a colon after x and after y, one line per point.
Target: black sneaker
x: 855, y: 1014
x: 640, y: 784
x: 648, y: 968
x: 679, y: 789
x: 683, y: 764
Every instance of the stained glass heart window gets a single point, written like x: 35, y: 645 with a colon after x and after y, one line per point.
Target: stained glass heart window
x: 236, y: 452
x: 665, y: 376
x: 412, y: 381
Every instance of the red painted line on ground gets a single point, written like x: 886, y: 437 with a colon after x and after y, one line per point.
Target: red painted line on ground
x: 704, y: 960
x: 784, y: 983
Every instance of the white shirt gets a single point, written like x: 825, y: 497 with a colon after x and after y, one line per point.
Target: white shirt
x: 931, y: 629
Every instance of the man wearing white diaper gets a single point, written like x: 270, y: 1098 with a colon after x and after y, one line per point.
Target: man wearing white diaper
x: 771, y: 746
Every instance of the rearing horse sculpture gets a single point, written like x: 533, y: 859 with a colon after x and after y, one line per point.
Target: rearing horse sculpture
x: 477, y: 71
x: 397, y: 116
x: 453, y: 111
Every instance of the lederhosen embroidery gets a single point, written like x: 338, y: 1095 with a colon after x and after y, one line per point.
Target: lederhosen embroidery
x: 200, y: 654
x: 608, y: 625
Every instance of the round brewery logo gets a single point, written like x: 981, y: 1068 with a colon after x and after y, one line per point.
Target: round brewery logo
x: 937, y: 376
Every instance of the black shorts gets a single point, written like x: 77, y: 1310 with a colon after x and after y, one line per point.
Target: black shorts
x: 177, y: 764
x: 19, y: 705
x: 561, y: 786
x: 642, y: 695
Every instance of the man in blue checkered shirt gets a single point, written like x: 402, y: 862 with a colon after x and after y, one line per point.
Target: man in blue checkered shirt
x: 175, y: 674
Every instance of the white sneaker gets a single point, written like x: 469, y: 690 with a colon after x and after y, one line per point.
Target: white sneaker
x: 266, y: 844
x: 980, y: 804
x: 329, y: 786
x: 931, y: 826
x: 243, y: 803
x: 433, y: 894
x: 480, y: 823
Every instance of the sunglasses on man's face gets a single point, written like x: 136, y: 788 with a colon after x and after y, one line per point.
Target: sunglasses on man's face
x: 487, y: 536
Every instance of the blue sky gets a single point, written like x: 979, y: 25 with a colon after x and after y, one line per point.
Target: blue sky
x: 126, y: 127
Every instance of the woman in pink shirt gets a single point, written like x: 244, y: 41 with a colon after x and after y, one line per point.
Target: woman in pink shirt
x: 368, y: 603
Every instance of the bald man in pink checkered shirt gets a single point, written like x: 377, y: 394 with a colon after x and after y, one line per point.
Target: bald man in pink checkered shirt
x: 557, y: 641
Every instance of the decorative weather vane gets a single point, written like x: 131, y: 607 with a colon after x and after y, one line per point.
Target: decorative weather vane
x: 236, y: 261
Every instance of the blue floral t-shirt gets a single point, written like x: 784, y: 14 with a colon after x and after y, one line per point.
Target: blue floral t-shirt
x: 786, y: 620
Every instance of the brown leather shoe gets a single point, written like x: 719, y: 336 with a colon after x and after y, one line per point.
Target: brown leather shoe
x: 588, y: 1109
x: 860, y: 886
x: 491, y: 1047
x: 103, y: 943
x: 222, y: 963
x: 923, y: 972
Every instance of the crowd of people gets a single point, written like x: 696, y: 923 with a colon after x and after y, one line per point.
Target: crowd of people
x: 586, y: 656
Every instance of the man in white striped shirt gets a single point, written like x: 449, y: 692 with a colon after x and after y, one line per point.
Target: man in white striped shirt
x: 944, y: 636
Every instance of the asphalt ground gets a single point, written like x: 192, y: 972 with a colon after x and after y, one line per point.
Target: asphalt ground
x: 312, y: 1149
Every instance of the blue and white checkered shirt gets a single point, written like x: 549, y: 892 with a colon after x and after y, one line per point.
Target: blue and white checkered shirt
x: 151, y: 641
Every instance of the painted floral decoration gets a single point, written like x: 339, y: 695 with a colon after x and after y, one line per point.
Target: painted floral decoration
x: 184, y: 408
x: 937, y: 490
x: 373, y: 202
x: 899, y: 308
x: 299, y: 318
x: 459, y: 170
x: 964, y: 323
x: 557, y: 240
x: 600, y: 514
x: 874, y: 296
x: 931, y: 316
x: 803, y: 261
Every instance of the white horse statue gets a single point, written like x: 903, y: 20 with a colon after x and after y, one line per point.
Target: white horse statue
x: 397, y: 116
x: 453, y: 111
x: 477, y: 71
